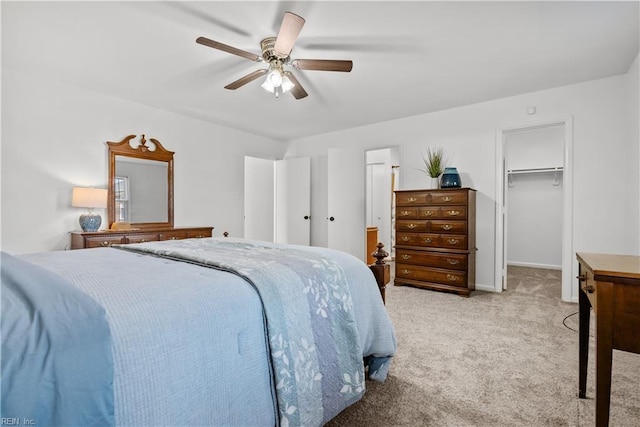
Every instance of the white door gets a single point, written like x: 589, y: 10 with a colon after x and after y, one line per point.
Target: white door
x: 258, y: 199
x: 504, y: 221
x: 379, y: 201
x: 293, y: 200
x: 346, y: 201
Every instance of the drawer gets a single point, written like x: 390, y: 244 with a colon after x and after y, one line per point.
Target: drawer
x: 407, y: 213
x: 409, y: 225
x: 448, y: 198
x: 444, y: 226
x: 141, y: 238
x: 418, y: 239
x: 428, y: 213
x: 429, y: 240
x: 407, y: 238
x: 172, y: 235
x: 429, y: 274
x: 104, y: 241
x: 454, y: 212
x: 432, y: 259
x: 453, y: 241
x: 411, y: 198
x: 197, y: 234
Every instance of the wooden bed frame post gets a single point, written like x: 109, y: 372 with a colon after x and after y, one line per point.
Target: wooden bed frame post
x: 381, y: 270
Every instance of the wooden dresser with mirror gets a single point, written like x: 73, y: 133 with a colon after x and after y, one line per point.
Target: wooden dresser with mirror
x: 140, y: 197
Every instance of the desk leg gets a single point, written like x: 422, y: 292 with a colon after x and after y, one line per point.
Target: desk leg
x: 604, y: 351
x: 583, y: 356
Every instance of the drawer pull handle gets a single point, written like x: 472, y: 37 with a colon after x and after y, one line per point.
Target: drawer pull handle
x: 105, y: 244
x: 452, y: 278
x: 411, y: 226
x: 453, y: 261
x: 405, y: 271
x: 405, y: 213
x: 447, y: 227
x: 412, y: 199
x: 428, y: 213
x: 406, y: 256
x: 453, y: 213
x: 587, y: 288
x: 406, y: 238
x: 173, y: 238
x: 427, y: 240
x: 446, y: 199
x: 453, y: 241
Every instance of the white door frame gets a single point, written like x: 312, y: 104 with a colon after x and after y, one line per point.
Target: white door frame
x: 568, y: 292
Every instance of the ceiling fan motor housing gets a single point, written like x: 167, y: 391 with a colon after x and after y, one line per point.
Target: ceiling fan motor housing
x: 268, y: 53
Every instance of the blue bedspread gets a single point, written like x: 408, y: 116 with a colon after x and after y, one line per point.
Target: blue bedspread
x: 56, y: 351
x: 315, y: 349
x: 188, y: 344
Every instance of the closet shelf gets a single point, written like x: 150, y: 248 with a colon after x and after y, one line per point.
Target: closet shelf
x: 556, y: 171
x: 534, y: 170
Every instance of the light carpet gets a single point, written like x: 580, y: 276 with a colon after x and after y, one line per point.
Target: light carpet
x: 494, y: 359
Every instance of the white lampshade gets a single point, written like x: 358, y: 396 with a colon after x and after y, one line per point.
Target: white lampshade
x: 287, y: 84
x: 274, y: 78
x: 89, y: 197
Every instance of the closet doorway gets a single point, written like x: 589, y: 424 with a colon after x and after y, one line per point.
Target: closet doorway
x: 382, y: 172
x: 533, y: 218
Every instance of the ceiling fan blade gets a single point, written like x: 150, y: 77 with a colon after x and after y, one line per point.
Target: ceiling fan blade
x: 323, y: 65
x: 246, y: 79
x: 226, y: 48
x: 289, y: 30
x: 298, y: 91
x: 206, y: 17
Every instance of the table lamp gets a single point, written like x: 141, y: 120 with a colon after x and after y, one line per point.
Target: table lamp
x: 89, y: 198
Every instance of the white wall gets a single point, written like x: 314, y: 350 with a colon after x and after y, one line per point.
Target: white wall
x: 605, y: 139
x: 534, y: 221
x: 53, y: 138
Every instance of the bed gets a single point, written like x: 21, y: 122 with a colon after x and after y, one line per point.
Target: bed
x: 212, y: 331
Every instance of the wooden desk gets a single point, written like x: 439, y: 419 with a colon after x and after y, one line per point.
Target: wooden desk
x: 611, y: 285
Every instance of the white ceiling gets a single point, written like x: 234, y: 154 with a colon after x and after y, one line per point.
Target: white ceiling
x: 409, y: 58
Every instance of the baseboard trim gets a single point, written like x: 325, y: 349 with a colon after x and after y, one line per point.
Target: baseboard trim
x: 534, y: 265
x: 486, y: 288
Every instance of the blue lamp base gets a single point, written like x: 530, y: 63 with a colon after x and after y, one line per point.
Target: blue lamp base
x: 90, y: 221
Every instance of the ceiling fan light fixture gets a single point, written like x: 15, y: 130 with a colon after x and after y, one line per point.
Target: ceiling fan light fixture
x: 277, y: 83
x: 275, y: 78
x: 287, y: 84
x: 268, y: 85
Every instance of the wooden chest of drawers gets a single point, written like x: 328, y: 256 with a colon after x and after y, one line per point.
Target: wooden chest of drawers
x: 96, y: 239
x: 435, y: 239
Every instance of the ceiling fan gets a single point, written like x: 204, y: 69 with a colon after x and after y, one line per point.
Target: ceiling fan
x: 275, y: 52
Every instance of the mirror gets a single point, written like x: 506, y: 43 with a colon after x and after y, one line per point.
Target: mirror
x: 140, y: 183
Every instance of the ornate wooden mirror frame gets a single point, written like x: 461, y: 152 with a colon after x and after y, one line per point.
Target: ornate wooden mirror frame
x: 142, y: 151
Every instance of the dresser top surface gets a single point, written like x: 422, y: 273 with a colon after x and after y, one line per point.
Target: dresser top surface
x: 138, y: 230
x: 434, y: 189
